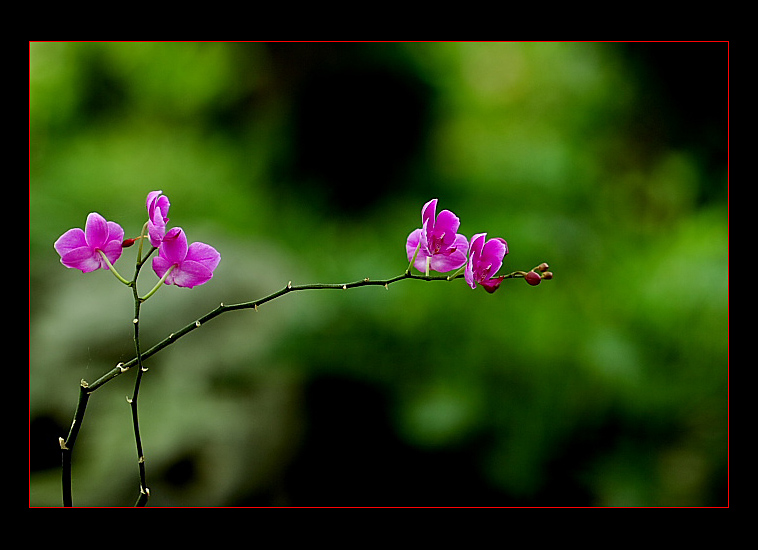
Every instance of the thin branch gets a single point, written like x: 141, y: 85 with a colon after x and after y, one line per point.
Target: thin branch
x: 255, y: 304
x: 67, y: 445
x: 144, y: 492
x: 87, y: 388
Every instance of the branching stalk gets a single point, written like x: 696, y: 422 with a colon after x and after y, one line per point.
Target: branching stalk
x: 86, y: 389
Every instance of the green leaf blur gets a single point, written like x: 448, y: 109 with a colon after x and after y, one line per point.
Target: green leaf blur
x: 606, y: 386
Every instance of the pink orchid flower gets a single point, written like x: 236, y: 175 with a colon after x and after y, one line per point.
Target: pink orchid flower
x: 95, y: 247
x: 157, y: 213
x: 182, y: 265
x: 485, y: 260
x: 436, y: 244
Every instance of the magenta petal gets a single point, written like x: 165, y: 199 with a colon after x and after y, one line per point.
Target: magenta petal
x: 82, y: 258
x: 453, y: 258
x: 495, y: 248
x: 190, y: 273
x: 96, y: 231
x: 113, y: 246
x: 70, y: 240
x: 442, y: 263
x: 428, y: 213
x: 157, y: 212
x: 468, y: 275
x: 112, y: 251
x: 411, y: 243
x: 151, y: 196
x: 493, y: 253
x: 204, y: 254
x: 161, y: 265
x: 115, y: 232
x: 416, y: 237
x: 445, y: 227
x: 161, y: 206
x: 477, y: 242
x: 174, y: 245
x: 155, y: 233
x: 475, y: 251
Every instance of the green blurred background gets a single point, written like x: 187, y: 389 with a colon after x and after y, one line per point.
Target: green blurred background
x: 310, y: 162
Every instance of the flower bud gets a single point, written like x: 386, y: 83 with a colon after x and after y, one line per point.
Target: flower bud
x: 542, y: 267
x: 533, y: 278
x: 128, y: 242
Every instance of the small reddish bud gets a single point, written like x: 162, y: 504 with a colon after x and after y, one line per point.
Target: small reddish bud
x: 128, y: 242
x: 533, y: 278
x: 542, y: 267
x: 547, y: 275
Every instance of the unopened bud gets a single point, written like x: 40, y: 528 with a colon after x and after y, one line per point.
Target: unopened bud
x: 547, y: 275
x: 127, y: 243
x: 542, y: 267
x: 533, y: 278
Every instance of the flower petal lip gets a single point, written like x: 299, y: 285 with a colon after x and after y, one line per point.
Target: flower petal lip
x: 491, y: 285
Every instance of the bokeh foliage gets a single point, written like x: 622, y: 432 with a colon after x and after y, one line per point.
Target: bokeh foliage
x: 310, y: 163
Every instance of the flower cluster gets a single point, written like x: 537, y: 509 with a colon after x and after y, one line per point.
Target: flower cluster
x: 437, y: 245
x: 101, y: 243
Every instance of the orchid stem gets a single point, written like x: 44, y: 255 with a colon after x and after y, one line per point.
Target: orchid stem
x: 158, y: 285
x: 255, y: 304
x: 141, y: 240
x: 456, y: 274
x: 113, y: 269
x: 67, y: 445
x: 413, y: 259
x: 144, y: 492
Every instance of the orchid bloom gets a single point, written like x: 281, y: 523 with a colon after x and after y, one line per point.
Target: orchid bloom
x: 436, y: 244
x: 98, y: 246
x: 485, y: 260
x: 157, y: 212
x: 182, y: 265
